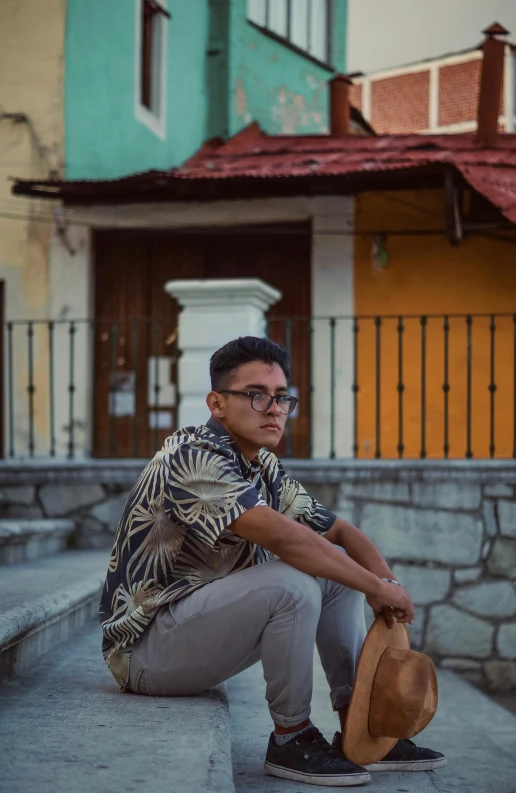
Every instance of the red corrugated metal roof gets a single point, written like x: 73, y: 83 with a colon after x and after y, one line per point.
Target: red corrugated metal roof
x: 256, y: 157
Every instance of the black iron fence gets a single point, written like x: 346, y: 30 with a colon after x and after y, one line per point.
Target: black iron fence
x: 106, y: 388
x: 406, y: 386
x: 369, y: 386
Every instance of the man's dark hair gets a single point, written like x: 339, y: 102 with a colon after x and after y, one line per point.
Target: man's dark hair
x: 224, y: 361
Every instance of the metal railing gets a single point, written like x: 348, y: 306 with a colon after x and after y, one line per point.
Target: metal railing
x: 369, y: 386
x: 410, y: 386
x: 89, y: 387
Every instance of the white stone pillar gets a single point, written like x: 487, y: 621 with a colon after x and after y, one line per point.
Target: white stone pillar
x: 332, y: 296
x: 215, y: 310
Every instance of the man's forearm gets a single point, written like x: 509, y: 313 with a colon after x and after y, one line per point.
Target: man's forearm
x: 303, y: 548
x: 308, y: 551
x: 359, y: 547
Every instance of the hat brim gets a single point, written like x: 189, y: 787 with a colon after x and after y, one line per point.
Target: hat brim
x: 358, y: 744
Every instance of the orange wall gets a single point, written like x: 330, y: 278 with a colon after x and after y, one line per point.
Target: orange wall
x: 425, y: 275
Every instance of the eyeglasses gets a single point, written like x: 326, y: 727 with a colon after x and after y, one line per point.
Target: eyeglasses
x: 262, y: 402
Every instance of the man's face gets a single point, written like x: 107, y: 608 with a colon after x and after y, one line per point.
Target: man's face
x: 250, y: 428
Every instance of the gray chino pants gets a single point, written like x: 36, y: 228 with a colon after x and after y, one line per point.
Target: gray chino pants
x: 271, y: 612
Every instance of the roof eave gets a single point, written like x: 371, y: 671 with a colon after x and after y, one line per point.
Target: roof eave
x: 209, y: 189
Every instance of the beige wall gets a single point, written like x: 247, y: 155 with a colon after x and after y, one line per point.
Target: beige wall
x: 31, y: 82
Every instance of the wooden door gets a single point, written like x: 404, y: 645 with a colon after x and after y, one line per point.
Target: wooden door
x: 135, y: 345
x: 136, y: 322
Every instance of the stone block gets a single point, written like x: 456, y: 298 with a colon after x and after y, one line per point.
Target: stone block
x: 486, y: 550
x: 506, y: 641
x: 110, y: 511
x: 498, y: 491
x: 490, y: 520
x: 461, y: 664
x: 21, y: 511
x: 424, y: 585
x: 502, y: 560
x: 92, y: 534
x: 490, y: 599
x: 423, y: 535
x: 446, y: 495
x: 467, y: 576
x: 507, y: 518
x: 475, y: 677
x: 324, y: 493
x: 452, y: 632
x: 346, y: 511
x: 18, y: 495
x: 375, y: 491
x: 501, y: 675
x: 64, y: 499
x: 472, y: 671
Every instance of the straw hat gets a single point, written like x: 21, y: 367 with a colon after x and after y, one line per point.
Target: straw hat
x: 394, y: 694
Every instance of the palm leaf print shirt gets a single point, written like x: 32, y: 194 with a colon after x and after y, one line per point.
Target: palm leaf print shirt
x: 175, y: 532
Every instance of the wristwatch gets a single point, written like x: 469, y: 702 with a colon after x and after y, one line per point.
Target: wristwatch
x: 391, y: 581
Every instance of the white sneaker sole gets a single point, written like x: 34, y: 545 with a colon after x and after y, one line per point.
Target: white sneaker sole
x: 334, y: 780
x: 418, y: 765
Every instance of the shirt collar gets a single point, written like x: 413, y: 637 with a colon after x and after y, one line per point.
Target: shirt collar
x: 245, y: 464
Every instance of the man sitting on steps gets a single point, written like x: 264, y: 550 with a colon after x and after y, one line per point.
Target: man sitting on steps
x: 221, y: 560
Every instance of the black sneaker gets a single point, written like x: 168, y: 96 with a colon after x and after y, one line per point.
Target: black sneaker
x: 309, y: 758
x: 404, y: 756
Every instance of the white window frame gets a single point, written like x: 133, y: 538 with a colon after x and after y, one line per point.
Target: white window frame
x: 156, y: 122
x: 258, y: 14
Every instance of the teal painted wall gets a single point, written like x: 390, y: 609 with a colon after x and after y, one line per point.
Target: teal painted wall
x: 222, y: 73
x: 104, y: 139
x: 283, y: 90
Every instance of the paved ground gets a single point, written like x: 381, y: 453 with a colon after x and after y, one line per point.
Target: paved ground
x: 477, y: 735
x: 66, y: 728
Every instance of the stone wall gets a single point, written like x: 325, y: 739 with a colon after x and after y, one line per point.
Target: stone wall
x: 96, y: 508
x: 449, y: 531
x: 93, y: 493
x: 448, y: 528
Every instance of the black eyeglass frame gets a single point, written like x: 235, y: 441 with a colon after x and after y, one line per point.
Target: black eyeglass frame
x: 290, y: 400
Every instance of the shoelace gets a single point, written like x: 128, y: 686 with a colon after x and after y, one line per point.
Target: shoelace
x: 321, y: 743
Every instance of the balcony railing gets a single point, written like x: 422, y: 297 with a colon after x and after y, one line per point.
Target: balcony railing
x: 408, y: 386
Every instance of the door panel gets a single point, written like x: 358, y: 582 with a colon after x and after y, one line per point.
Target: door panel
x: 135, y: 338
x: 136, y: 326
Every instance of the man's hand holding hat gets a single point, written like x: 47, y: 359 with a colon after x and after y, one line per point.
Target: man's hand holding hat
x: 393, y: 601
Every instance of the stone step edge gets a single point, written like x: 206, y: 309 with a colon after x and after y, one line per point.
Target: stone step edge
x: 219, y: 773
x: 15, y: 529
x: 29, y: 631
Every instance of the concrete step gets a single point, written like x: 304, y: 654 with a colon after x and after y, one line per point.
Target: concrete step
x: 64, y: 726
x: 42, y: 603
x: 26, y: 540
x: 477, y: 736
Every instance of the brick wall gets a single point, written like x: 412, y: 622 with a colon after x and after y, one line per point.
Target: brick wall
x: 400, y: 104
x: 459, y: 86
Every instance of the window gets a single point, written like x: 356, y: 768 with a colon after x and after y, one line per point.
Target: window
x: 304, y: 23
x: 151, y: 41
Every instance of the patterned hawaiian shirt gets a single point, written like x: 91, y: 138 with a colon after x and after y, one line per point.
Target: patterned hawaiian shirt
x: 175, y: 532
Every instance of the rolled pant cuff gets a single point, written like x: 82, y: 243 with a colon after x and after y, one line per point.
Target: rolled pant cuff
x: 289, y: 721
x: 340, y: 697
